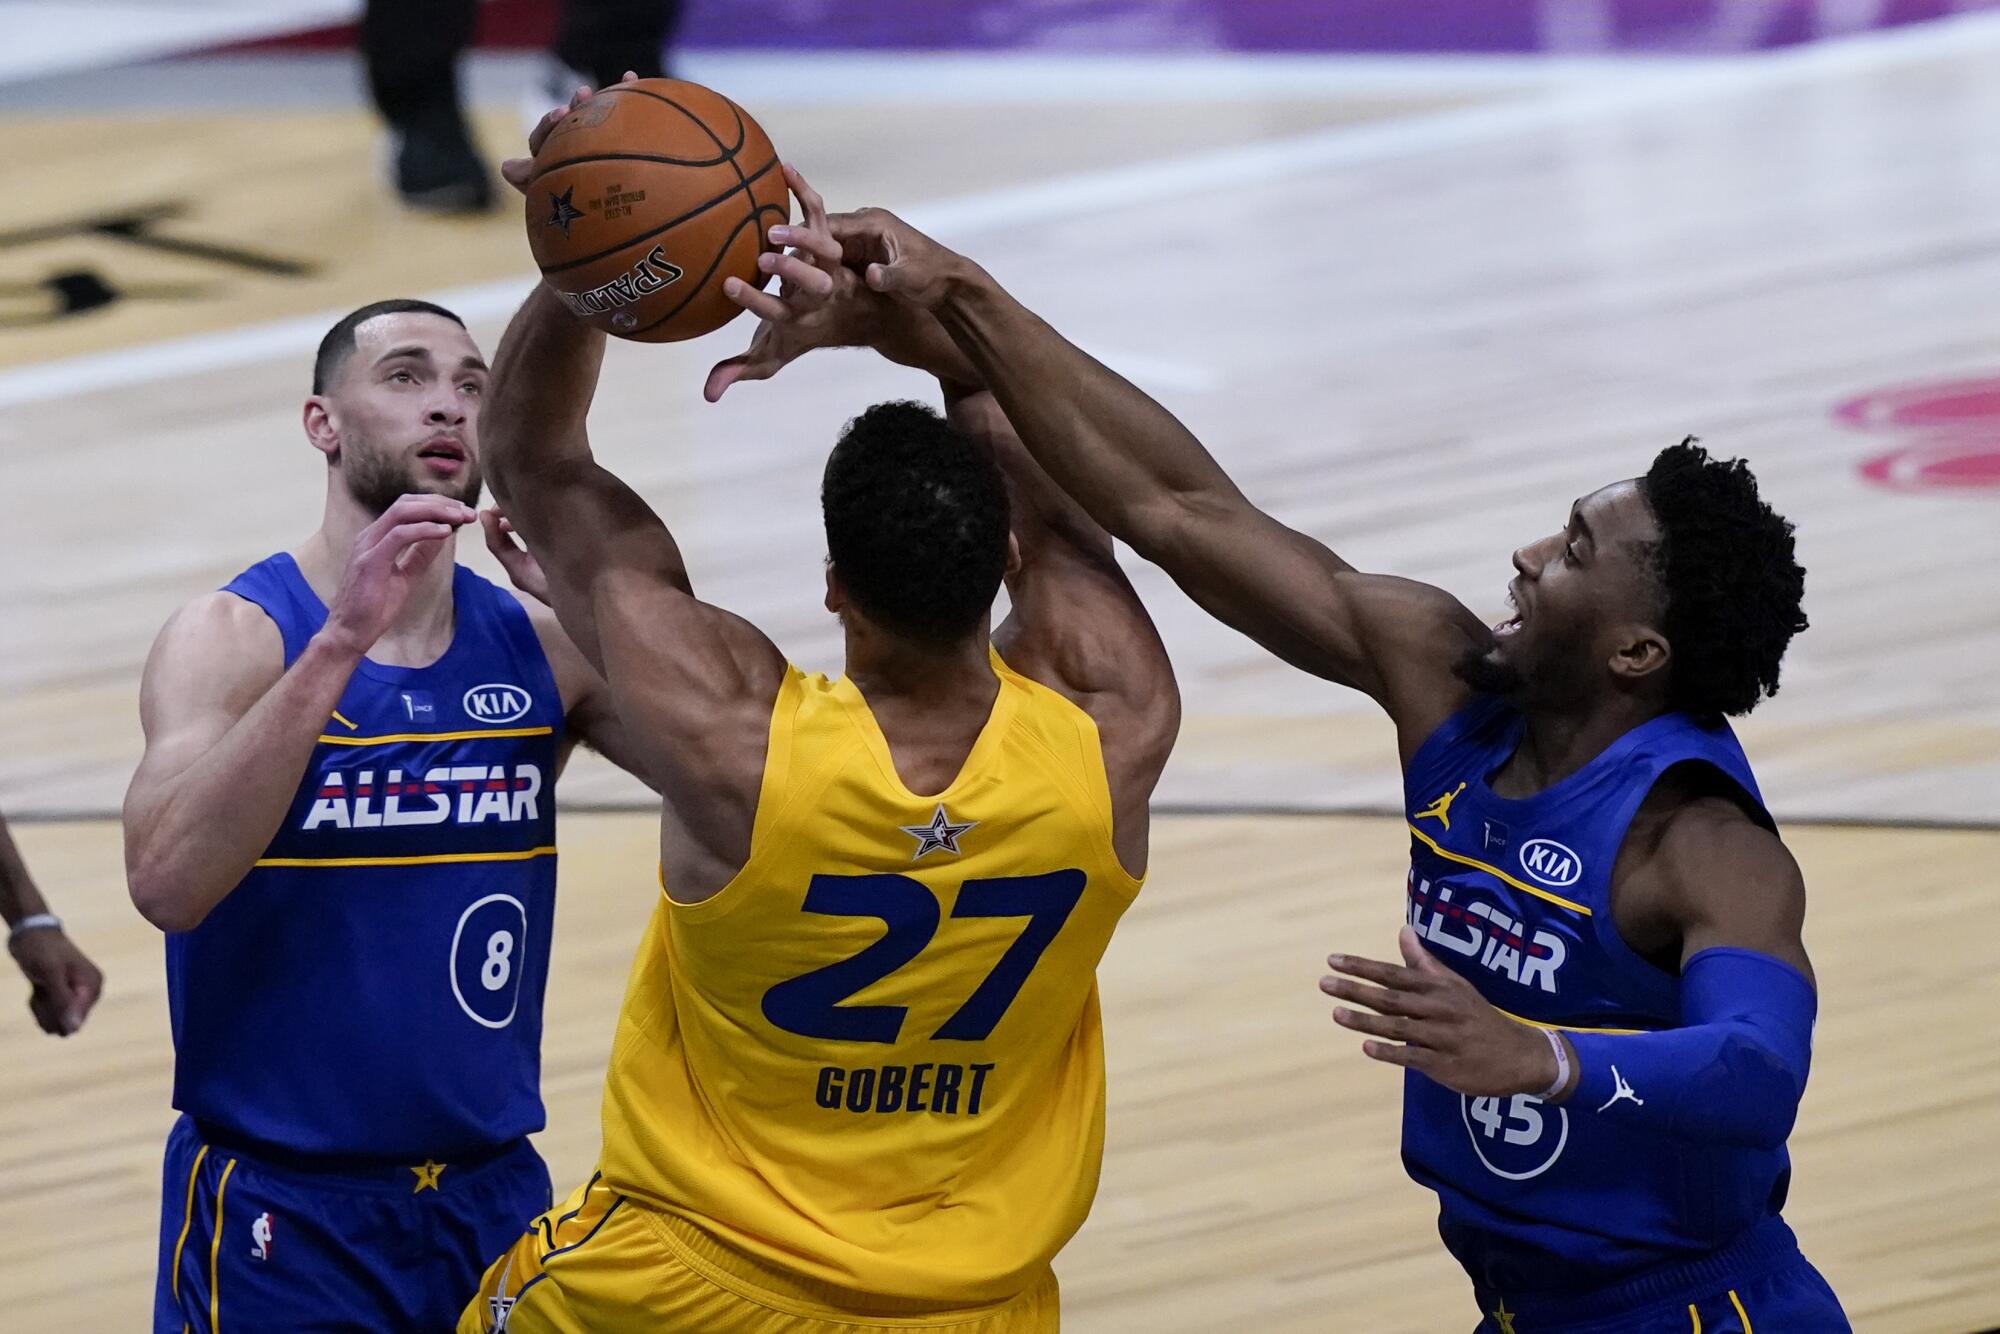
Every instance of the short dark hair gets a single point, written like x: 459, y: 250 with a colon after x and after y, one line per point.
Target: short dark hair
x: 338, y: 345
x: 1729, y: 580
x: 916, y: 522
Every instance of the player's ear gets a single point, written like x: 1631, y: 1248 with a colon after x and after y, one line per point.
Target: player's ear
x: 1641, y: 652
x: 1013, y: 555
x: 320, y: 428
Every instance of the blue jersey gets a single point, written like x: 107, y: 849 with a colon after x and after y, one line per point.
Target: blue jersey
x: 373, y: 987
x: 1515, y: 896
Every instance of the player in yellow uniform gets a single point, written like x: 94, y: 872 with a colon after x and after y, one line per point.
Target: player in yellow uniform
x: 857, y: 1083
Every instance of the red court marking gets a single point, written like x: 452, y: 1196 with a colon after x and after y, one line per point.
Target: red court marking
x: 1930, y: 406
x: 1968, y: 463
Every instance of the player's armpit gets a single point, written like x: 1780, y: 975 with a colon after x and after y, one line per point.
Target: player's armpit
x: 1077, y: 626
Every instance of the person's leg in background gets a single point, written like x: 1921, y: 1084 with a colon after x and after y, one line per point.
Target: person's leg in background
x: 598, y: 40
x: 412, y: 49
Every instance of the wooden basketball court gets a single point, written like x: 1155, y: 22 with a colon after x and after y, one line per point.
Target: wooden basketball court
x: 1414, y: 320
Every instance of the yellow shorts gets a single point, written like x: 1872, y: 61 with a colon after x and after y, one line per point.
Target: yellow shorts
x: 600, y: 1263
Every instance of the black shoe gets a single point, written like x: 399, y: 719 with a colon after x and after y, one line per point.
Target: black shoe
x: 437, y: 169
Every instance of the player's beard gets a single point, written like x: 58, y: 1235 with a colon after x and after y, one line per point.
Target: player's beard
x: 1487, y: 672
x: 377, y: 478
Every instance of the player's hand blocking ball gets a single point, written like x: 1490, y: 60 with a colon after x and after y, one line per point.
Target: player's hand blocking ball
x: 643, y: 199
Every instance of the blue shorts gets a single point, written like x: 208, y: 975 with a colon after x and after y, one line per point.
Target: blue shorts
x: 253, y: 1246
x: 1758, y: 1284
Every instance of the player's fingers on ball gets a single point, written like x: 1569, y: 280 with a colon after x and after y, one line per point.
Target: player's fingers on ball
x: 758, y: 303
x: 819, y: 243
x: 802, y: 273
x: 545, y: 127
x: 810, y: 202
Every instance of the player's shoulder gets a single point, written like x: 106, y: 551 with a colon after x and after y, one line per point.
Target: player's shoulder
x: 216, y: 647
x: 1700, y: 835
x: 222, y: 622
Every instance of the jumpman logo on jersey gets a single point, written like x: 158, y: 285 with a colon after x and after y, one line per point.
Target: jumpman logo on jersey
x: 1440, y: 810
x: 1504, y: 1317
x: 1622, y: 1091
x: 940, y: 835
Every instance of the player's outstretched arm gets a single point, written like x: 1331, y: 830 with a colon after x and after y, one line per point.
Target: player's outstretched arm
x: 230, y: 729
x: 693, y: 684
x: 1078, y: 627
x: 1141, y: 474
x: 65, y: 983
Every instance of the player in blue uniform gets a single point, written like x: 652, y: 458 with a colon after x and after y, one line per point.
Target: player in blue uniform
x: 345, y: 823
x: 1603, y: 1002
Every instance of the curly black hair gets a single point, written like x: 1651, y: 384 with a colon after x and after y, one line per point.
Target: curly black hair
x: 916, y: 522
x: 1728, y: 578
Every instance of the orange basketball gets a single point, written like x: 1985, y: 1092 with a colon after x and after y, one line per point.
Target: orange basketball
x: 644, y: 199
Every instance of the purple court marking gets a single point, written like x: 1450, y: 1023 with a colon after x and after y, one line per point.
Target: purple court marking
x: 1568, y: 27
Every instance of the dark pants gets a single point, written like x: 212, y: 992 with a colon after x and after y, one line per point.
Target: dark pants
x: 412, y: 48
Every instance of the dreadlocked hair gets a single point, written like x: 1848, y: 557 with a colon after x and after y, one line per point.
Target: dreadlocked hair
x: 1731, y: 585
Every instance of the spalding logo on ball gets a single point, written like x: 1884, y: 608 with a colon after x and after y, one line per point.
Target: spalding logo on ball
x: 644, y: 199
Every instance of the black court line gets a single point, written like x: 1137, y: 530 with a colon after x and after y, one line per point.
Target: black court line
x: 1194, y: 809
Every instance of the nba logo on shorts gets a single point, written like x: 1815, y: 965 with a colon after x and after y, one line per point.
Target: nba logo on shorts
x: 260, y: 1235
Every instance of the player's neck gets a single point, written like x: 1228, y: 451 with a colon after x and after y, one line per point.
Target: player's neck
x: 423, y: 629
x: 883, y: 666
x: 1555, y: 743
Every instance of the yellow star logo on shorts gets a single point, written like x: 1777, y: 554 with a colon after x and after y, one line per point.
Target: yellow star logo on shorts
x: 427, y: 1176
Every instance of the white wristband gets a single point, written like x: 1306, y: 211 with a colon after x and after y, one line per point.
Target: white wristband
x: 1562, y: 1064
x: 34, y: 921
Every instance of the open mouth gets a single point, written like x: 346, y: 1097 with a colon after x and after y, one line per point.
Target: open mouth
x: 1511, y: 624
x: 444, y: 454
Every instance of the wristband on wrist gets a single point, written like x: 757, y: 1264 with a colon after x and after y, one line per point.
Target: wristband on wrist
x: 1562, y: 1064
x: 34, y: 921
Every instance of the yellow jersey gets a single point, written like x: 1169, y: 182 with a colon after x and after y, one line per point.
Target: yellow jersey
x: 874, y: 1058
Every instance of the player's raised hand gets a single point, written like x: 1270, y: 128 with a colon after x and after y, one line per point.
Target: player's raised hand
x: 897, y: 259
x: 518, y: 171
x: 519, y: 562
x: 1428, y: 1018
x: 819, y: 302
x: 66, y: 984
x: 386, y: 559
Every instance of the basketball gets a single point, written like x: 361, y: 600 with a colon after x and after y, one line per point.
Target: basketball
x: 644, y: 199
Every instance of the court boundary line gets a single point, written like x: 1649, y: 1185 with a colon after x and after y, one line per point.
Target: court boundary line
x: 1099, y: 190
x: 1205, y: 810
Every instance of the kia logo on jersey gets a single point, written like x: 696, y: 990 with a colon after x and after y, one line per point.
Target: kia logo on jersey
x: 497, y: 702
x: 1551, y: 863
